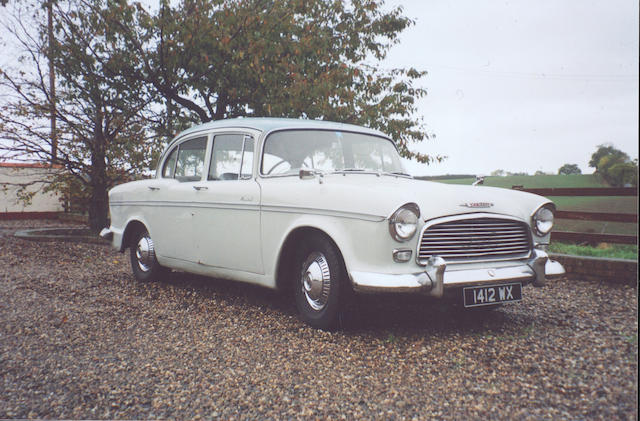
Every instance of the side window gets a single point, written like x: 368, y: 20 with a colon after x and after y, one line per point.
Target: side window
x: 226, y: 157
x: 190, y: 161
x: 170, y: 164
x: 247, y: 159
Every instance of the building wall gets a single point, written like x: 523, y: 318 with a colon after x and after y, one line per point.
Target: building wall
x: 13, y: 173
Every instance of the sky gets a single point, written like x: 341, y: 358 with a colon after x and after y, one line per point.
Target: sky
x: 522, y: 85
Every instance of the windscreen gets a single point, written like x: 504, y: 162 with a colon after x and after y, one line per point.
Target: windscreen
x: 286, y: 152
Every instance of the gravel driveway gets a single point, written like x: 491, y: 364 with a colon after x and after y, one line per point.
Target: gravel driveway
x: 80, y: 338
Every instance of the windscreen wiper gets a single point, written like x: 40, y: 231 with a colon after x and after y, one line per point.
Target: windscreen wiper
x: 404, y: 174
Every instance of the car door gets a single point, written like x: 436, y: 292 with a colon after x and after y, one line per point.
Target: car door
x: 172, y: 216
x: 228, y: 206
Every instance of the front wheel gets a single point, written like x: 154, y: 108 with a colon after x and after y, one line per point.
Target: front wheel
x: 321, y: 283
x: 142, y: 254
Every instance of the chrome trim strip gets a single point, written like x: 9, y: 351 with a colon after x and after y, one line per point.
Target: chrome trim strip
x: 190, y: 204
x: 471, y: 215
x: 323, y: 212
x: 253, y: 207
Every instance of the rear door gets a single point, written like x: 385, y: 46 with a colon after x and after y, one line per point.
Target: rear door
x: 172, y: 214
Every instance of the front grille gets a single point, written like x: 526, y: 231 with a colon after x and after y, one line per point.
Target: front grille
x: 476, y: 239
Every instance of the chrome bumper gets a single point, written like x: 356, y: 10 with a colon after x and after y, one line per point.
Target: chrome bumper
x: 435, y: 278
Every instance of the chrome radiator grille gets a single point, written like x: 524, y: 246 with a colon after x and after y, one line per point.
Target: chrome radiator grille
x: 475, y: 239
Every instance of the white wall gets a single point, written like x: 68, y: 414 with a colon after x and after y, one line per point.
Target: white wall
x: 11, y: 174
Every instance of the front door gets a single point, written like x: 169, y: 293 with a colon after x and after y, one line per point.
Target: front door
x: 227, y: 207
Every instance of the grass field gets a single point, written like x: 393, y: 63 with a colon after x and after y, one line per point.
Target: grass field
x: 585, y: 203
x: 618, y: 251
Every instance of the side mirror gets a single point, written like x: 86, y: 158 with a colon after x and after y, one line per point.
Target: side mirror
x: 307, y: 174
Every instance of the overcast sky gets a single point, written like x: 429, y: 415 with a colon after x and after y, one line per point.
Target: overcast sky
x: 523, y: 85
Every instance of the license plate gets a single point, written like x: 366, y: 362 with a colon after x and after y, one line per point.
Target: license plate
x: 492, y: 294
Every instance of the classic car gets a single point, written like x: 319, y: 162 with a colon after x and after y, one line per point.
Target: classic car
x: 325, y: 210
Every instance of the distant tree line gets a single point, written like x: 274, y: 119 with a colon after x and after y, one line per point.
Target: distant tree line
x: 614, y: 166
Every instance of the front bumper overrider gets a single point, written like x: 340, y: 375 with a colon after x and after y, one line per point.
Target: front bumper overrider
x: 436, y: 278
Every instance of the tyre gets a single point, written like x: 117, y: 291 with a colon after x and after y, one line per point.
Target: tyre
x: 142, y: 254
x: 321, y: 285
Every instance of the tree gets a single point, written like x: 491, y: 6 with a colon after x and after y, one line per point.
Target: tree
x: 607, y: 150
x: 103, y: 118
x: 294, y: 58
x: 498, y: 173
x: 624, y: 173
x: 568, y: 169
x: 614, y: 166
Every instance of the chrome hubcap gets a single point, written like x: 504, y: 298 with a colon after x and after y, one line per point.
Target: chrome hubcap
x: 145, y: 253
x: 316, y: 280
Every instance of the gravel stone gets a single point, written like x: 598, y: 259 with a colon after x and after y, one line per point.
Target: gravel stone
x: 80, y: 338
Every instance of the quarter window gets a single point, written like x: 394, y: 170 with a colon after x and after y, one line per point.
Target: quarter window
x: 247, y: 159
x: 170, y: 164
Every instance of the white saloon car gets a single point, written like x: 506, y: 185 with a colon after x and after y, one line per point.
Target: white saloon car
x: 326, y: 209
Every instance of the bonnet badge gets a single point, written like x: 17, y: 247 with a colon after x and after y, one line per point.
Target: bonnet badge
x: 476, y: 205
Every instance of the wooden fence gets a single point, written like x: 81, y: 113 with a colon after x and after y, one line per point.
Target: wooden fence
x: 591, y: 216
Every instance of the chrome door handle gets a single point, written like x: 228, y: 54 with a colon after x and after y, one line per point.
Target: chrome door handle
x: 200, y: 188
x: 153, y: 188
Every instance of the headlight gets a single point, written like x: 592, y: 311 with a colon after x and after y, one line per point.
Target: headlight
x: 543, y: 220
x: 403, y: 224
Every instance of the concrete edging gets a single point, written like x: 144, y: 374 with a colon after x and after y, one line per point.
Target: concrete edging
x: 619, y: 271
x: 81, y: 235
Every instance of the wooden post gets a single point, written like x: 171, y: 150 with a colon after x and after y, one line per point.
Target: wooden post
x: 52, y: 84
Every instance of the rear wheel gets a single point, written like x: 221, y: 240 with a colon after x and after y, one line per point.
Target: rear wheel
x: 142, y: 254
x: 320, y: 283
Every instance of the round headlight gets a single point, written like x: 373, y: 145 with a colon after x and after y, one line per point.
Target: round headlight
x: 403, y: 224
x: 543, y: 220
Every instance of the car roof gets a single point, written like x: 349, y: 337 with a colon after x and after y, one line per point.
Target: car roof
x: 266, y: 124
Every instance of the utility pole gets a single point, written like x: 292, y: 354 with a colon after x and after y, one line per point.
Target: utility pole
x: 52, y: 84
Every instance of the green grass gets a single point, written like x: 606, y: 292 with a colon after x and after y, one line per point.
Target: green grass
x: 618, y: 251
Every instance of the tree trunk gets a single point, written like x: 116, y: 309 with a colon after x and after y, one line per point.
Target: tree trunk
x: 99, y: 203
x: 221, y: 105
x: 98, y: 208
